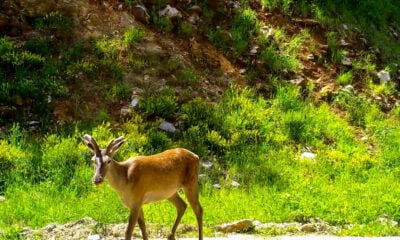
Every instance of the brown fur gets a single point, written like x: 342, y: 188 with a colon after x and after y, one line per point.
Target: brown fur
x: 145, y: 179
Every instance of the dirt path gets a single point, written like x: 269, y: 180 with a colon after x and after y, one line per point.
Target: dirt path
x: 307, y: 237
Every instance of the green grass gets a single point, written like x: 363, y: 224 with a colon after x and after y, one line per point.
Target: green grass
x: 252, y: 140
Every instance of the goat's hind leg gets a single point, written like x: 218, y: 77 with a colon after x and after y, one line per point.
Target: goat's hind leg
x: 180, y: 207
x: 142, y: 225
x: 192, y: 194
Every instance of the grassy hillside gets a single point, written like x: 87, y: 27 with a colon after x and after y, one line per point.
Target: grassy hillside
x: 252, y: 125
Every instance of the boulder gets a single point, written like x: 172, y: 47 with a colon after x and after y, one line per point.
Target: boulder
x: 170, y: 12
x: 167, y: 126
x: 141, y: 14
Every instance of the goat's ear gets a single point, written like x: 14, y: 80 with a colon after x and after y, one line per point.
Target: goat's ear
x: 88, y: 141
x: 117, y: 143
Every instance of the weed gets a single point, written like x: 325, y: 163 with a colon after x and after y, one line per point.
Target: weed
x: 161, y: 103
x: 133, y: 35
x: 345, y: 78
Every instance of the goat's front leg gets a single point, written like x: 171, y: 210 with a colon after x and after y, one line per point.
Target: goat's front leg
x: 133, y: 217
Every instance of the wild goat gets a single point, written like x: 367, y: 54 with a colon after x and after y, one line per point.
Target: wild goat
x: 145, y: 179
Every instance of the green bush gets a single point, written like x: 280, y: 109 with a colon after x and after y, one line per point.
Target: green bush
x: 345, y: 78
x: 187, y: 76
x: 133, y: 35
x: 244, y: 27
x: 161, y: 103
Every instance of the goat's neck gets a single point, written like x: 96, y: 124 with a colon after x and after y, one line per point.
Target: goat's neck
x: 116, y: 175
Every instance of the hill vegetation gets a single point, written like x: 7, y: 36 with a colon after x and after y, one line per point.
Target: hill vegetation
x: 279, y: 96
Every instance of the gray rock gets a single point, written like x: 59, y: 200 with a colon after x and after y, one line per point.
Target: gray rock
x: 346, y: 61
x: 135, y: 102
x: 141, y: 14
x: 384, y: 76
x: 167, y: 126
x: 33, y: 123
x: 244, y: 225
x: 125, y: 111
x: 170, y: 12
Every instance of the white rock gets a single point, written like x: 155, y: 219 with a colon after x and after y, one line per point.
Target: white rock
x: 364, y: 138
x: 235, y: 184
x: 349, y: 88
x: 217, y: 186
x: 2, y: 198
x: 344, y: 43
x: 207, y: 165
x: 170, y: 12
x: 134, y: 102
x: 346, y: 61
x: 94, y: 237
x: 307, y: 155
x: 167, y: 126
x: 125, y: 111
x: 384, y: 76
x: 254, y: 50
x: 345, y: 27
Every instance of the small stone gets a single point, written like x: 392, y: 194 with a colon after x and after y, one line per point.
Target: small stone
x: 196, y: 8
x: 207, y: 165
x: 346, y: 61
x: 384, y: 76
x: 2, y: 198
x: 170, y: 12
x: 344, y: 43
x: 244, y: 225
x: 364, y: 138
x: 94, y: 237
x: 135, y: 102
x: 345, y: 27
x: 235, y: 184
x: 254, y: 50
x: 167, y: 126
x: 125, y: 111
x: 217, y: 186
x: 307, y: 155
x: 364, y: 40
x: 349, y: 88
x: 33, y: 123
x: 308, y: 227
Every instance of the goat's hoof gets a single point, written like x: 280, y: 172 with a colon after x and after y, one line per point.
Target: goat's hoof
x: 171, y: 237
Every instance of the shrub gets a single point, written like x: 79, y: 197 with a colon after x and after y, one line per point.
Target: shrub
x: 186, y: 29
x: 244, y: 26
x: 161, y: 103
x: 220, y: 38
x: 187, y: 76
x: 345, y: 78
x: 133, y: 35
